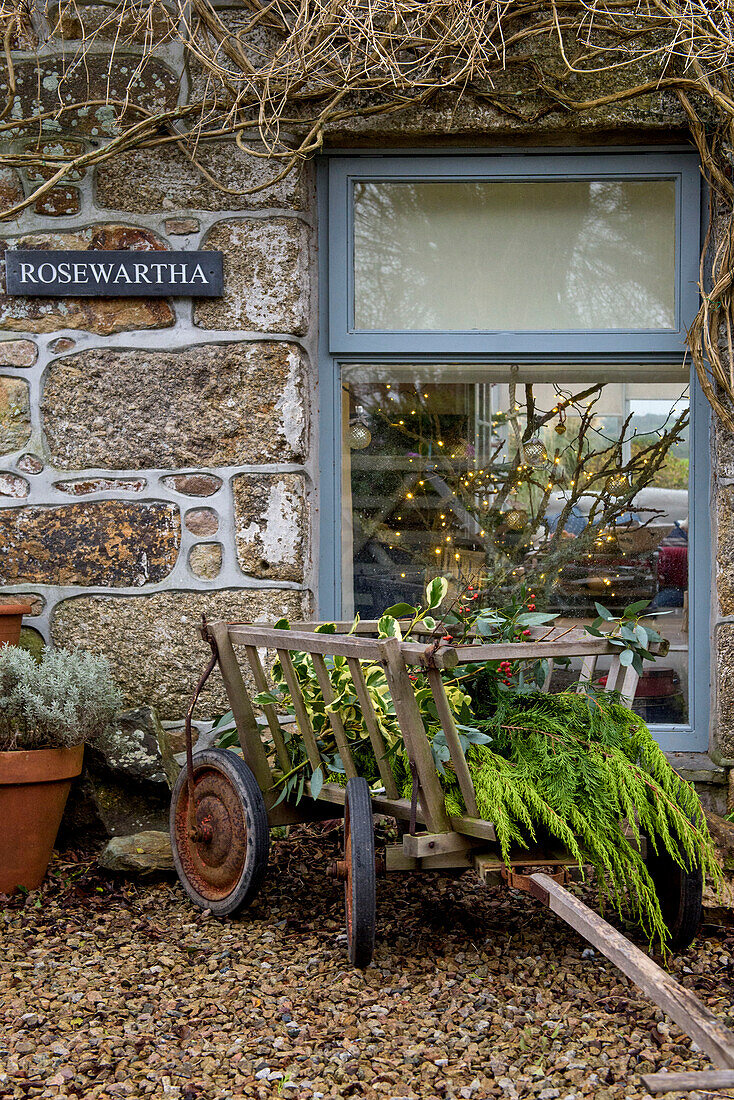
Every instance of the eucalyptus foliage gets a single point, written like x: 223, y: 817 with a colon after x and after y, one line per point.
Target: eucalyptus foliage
x: 62, y: 700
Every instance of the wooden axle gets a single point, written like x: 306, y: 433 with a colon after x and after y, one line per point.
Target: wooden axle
x: 339, y: 868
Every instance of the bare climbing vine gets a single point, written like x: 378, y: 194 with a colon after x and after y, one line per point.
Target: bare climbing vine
x: 278, y: 76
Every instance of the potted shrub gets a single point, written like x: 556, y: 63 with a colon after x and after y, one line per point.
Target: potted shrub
x: 48, y: 710
x: 11, y: 620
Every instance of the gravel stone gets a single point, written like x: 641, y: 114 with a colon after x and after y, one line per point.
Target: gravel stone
x: 473, y: 993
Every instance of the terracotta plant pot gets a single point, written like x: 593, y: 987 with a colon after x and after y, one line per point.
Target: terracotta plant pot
x: 11, y: 619
x: 34, y: 786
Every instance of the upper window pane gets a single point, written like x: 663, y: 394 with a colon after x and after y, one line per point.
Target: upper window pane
x: 548, y: 255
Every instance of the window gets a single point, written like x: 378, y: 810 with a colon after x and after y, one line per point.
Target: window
x: 505, y: 395
x: 548, y: 255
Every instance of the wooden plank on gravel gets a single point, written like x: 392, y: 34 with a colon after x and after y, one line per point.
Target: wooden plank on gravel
x: 681, y: 1005
x: 687, y: 1082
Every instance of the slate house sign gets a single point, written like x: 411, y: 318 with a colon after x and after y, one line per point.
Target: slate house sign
x: 97, y: 274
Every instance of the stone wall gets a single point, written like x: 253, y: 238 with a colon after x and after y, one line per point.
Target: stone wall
x: 157, y: 458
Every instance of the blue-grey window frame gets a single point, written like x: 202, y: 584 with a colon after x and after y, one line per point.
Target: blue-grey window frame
x: 340, y: 344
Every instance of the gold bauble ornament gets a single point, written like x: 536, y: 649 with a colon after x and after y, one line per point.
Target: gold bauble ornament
x: 359, y: 436
x: 561, y: 429
x: 617, y: 484
x: 535, y: 453
x: 516, y: 519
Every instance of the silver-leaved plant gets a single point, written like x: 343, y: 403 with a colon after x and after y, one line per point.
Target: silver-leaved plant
x: 64, y: 699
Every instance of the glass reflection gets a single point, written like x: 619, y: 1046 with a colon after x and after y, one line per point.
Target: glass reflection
x: 551, y: 255
x: 578, y: 487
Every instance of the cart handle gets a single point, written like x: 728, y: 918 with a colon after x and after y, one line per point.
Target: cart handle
x: 194, y: 832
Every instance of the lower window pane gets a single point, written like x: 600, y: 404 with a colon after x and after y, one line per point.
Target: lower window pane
x: 578, y: 487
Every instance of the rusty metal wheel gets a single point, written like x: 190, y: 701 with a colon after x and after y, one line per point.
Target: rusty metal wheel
x: 360, y: 889
x: 222, y: 865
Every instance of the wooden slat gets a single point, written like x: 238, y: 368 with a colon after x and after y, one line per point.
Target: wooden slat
x: 248, y: 731
x: 330, y: 792
x: 414, y: 653
x: 391, y: 807
x: 335, y: 645
x: 679, y: 1003
x: 548, y: 677
x: 521, y: 651
x: 448, y: 725
x: 613, y: 674
x: 335, y: 719
x: 414, y: 735
x: 370, y: 721
x: 629, y: 685
x: 396, y: 860
x: 351, y: 645
x: 434, y: 844
x: 343, y: 626
x: 331, y: 645
x: 261, y: 683
x: 588, y: 668
x: 473, y: 826
x: 688, y: 1082
x: 364, y: 626
x: 302, y: 718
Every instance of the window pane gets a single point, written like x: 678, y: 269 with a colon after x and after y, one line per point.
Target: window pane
x: 578, y: 487
x: 518, y: 256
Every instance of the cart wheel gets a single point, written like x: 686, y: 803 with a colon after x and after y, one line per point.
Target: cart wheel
x: 360, y: 891
x: 222, y: 870
x: 680, y: 893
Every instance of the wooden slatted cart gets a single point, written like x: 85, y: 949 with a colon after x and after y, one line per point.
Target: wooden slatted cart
x: 224, y: 805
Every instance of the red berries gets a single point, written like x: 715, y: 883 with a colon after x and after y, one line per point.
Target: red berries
x: 505, y: 671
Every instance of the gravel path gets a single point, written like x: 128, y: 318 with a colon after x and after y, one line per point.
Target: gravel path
x: 115, y: 989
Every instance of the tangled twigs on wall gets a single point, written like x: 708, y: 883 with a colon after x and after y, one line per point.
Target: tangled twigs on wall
x: 277, y: 75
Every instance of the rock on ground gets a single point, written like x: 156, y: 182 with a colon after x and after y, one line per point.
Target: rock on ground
x: 116, y: 989
x: 124, y: 786
x: 147, y: 851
